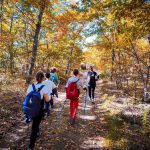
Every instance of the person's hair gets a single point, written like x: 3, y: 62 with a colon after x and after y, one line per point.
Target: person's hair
x: 47, y: 75
x: 54, y: 69
x: 75, y: 72
x: 39, y: 76
x: 91, y: 66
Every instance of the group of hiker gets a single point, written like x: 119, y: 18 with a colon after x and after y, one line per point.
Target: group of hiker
x: 39, y: 97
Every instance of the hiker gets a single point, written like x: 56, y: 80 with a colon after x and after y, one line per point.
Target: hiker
x: 72, y: 92
x: 50, y: 86
x: 92, y: 77
x: 44, y: 93
x: 54, y: 78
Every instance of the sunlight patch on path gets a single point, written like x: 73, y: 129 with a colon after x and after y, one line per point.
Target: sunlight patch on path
x: 87, y: 117
x: 93, y: 143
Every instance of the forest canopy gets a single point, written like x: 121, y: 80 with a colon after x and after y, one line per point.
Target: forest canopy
x: 112, y: 35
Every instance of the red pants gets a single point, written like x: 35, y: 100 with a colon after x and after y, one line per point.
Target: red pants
x: 73, y: 108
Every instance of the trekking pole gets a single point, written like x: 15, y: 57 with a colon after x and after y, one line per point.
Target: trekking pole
x: 85, y: 97
x: 59, y: 113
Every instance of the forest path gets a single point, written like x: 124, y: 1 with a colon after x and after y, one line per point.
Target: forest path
x: 96, y: 129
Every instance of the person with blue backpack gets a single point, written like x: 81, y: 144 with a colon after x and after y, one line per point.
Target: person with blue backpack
x: 33, y: 105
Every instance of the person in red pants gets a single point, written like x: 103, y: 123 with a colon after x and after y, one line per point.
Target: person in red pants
x: 72, y: 92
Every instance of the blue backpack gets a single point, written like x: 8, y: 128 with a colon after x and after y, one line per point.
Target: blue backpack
x: 32, y: 102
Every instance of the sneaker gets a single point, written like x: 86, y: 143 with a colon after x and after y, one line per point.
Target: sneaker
x: 27, y: 120
x: 92, y: 101
x: 72, y: 121
x: 38, y: 133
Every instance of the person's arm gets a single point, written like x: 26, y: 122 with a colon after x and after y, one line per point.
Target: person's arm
x: 67, y: 83
x: 57, y: 80
x: 46, y: 97
x: 29, y: 89
x: 45, y: 92
x: 80, y: 83
x: 97, y: 76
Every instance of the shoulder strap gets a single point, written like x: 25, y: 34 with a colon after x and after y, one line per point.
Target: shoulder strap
x: 39, y: 89
x: 33, y: 86
x: 77, y: 81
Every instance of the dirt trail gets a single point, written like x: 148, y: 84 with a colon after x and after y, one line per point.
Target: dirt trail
x: 95, y: 129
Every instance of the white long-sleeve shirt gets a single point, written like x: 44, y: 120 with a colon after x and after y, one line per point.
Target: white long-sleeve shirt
x: 49, y: 85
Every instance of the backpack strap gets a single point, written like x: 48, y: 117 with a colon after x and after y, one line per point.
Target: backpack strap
x: 77, y: 80
x: 33, y: 86
x: 39, y: 89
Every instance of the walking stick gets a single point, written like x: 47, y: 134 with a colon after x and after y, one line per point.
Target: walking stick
x: 84, y: 98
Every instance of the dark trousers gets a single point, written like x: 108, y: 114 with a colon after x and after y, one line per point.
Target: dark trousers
x: 55, y: 92
x: 35, y: 129
x: 47, y: 107
x: 51, y: 102
x: 91, y: 91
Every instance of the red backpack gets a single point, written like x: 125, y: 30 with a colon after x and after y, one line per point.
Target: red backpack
x: 72, y: 91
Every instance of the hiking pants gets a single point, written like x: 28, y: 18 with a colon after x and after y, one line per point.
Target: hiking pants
x: 35, y: 129
x: 52, y: 102
x: 55, y: 92
x: 91, y: 90
x: 47, y: 107
x: 73, y: 108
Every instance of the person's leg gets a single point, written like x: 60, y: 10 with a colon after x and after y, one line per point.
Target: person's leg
x: 52, y: 103
x: 48, y: 108
x: 75, y: 109
x: 71, y: 108
x: 56, y: 92
x: 89, y: 90
x: 93, y: 90
x: 35, y: 129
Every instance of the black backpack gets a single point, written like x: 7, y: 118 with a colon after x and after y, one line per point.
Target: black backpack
x: 92, y: 78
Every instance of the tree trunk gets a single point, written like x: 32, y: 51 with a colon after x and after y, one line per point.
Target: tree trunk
x: 1, y: 18
x: 112, y: 63
x: 10, y: 48
x: 68, y: 69
x: 35, y: 43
